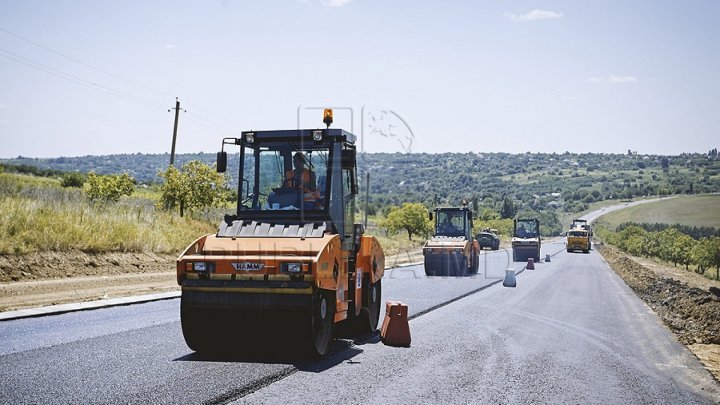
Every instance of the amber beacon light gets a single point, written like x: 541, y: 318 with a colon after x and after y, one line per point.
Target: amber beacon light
x: 328, y: 116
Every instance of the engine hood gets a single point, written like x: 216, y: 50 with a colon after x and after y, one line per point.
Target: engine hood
x: 260, y: 247
x: 446, y: 241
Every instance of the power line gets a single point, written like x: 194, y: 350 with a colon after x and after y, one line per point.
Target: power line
x: 83, y: 63
x: 212, y: 126
x: 212, y: 114
x: 77, y: 80
x: 207, y: 122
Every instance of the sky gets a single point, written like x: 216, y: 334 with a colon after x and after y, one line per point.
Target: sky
x: 97, y: 77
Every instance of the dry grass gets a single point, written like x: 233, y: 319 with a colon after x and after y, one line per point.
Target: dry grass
x: 696, y: 210
x: 38, y: 215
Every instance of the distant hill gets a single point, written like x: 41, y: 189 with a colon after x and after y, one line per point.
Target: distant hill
x: 536, y: 181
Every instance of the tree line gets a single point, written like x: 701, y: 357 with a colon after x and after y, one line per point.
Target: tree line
x: 695, y: 232
x: 669, y: 244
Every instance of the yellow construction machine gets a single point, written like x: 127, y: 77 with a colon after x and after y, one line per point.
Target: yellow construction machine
x: 452, y: 251
x: 291, y: 263
x: 526, y: 240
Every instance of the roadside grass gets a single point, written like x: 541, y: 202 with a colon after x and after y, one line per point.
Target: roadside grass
x: 397, y: 247
x: 696, y: 210
x: 36, y: 214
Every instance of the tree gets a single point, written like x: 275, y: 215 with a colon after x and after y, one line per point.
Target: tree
x: 195, y: 186
x: 109, y: 188
x: 487, y: 214
x: 508, y: 209
x: 706, y: 253
x: 682, y: 250
x: 673, y: 246
x: 72, y: 180
x: 411, y: 217
x: 631, y: 234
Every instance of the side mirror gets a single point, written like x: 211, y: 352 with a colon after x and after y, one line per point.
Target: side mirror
x: 430, y: 215
x: 348, y: 159
x: 221, y: 162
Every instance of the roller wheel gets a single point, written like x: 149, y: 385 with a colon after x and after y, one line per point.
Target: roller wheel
x: 371, y: 311
x: 474, y: 262
x: 322, y: 320
x: 369, y: 316
x: 428, y: 271
x: 194, y: 329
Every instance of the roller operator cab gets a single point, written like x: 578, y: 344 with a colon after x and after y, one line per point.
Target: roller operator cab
x: 291, y: 263
x: 526, y: 240
x: 452, y: 251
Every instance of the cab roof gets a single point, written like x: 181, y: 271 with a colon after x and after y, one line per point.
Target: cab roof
x: 302, y: 133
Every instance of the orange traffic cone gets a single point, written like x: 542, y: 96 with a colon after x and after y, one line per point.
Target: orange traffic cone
x: 531, y: 264
x: 395, y: 329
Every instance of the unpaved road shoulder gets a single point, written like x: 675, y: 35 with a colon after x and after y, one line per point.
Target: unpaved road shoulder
x: 687, y: 303
x: 51, y: 278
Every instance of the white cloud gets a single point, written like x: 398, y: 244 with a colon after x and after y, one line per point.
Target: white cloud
x: 614, y: 79
x: 535, y: 15
x: 335, y: 3
x: 170, y: 47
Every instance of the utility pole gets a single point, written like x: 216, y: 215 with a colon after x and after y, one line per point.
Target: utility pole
x: 177, y: 113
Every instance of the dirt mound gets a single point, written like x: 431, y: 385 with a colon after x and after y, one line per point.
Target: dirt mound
x: 54, y: 265
x: 51, y: 278
x: 692, y: 313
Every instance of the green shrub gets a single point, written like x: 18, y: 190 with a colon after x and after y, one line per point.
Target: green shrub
x: 72, y: 180
x: 109, y: 188
x: 196, y: 186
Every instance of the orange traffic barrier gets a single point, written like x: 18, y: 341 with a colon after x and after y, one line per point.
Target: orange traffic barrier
x: 531, y: 264
x: 395, y: 329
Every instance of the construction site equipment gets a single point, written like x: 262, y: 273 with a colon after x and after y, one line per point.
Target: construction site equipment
x: 291, y: 263
x: 488, y: 238
x: 395, y: 329
x: 526, y: 240
x: 583, y: 224
x: 452, y: 251
x: 578, y: 239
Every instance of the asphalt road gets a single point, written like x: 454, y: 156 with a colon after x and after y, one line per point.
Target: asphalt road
x: 571, y: 331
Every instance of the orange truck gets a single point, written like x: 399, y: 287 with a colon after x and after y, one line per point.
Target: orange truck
x: 291, y: 257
